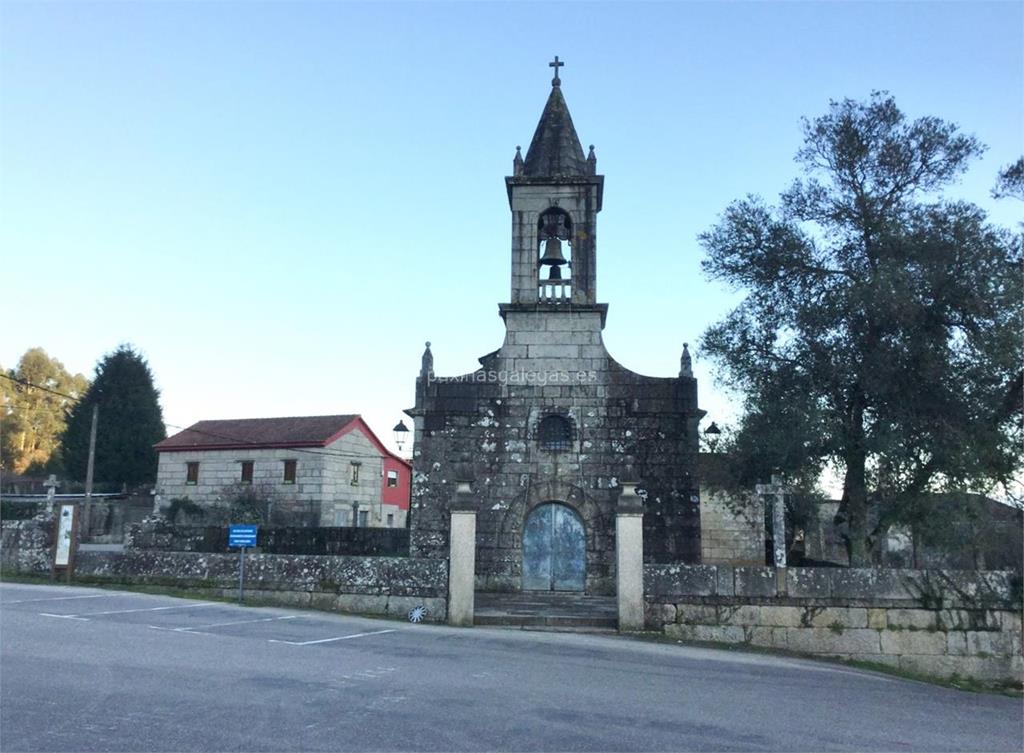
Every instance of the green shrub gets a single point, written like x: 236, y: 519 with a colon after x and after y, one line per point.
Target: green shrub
x: 18, y: 510
x: 182, y: 505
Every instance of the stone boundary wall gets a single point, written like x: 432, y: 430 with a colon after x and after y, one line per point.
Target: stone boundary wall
x: 366, y: 585
x: 26, y: 546
x: 937, y: 623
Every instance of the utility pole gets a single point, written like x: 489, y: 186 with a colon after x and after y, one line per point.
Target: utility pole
x: 89, y: 467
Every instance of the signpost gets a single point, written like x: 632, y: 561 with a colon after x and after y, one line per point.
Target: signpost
x: 65, y: 540
x: 242, y: 536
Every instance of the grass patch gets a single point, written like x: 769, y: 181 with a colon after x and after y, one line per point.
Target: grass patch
x: 960, y: 683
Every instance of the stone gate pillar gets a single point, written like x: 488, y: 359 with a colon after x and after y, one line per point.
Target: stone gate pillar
x: 461, y: 557
x: 629, y: 563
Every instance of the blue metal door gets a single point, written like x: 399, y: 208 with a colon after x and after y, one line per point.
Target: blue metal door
x: 554, y: 550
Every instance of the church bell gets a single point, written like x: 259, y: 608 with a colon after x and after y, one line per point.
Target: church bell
x: 553, y: 255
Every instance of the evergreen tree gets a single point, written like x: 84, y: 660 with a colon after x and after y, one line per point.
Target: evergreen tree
x: 130, y: 422
x: 880, y: 333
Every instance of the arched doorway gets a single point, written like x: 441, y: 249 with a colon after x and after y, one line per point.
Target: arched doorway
x: 554, y: 549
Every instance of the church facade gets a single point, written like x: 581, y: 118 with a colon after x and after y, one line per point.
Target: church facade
x: 550, y: 427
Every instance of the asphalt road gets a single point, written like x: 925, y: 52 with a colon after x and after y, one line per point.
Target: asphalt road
x: 90, y: 670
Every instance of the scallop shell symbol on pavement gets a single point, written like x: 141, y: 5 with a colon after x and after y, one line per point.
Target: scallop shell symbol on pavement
x: 416, y: 614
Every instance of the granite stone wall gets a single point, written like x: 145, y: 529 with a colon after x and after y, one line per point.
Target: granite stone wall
x: 731, y: 529
x: 365, y: 585
x: 26, y: 546
x: 935, y: 623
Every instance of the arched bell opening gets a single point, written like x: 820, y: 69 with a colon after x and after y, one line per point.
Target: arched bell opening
x: 554, y: 268
x: 554, y: 549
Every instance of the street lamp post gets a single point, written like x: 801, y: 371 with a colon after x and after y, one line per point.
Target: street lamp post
x: 711, y: 435
x: 401, y: 434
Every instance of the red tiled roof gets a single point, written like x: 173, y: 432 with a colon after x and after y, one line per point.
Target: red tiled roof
x: 238, y: 433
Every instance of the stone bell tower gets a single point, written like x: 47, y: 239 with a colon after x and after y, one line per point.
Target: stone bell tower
x: 547, y: 431
x: 555, y: 195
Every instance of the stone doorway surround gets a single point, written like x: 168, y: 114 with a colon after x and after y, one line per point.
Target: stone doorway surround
x: 596, y: 515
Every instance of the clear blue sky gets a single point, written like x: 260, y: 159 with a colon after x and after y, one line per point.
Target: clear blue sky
x: 278, y: 203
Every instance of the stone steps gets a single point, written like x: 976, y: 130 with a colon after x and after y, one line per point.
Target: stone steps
x: 540, y: 610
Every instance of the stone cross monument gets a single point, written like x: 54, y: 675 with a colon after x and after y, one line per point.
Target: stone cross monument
x: 776, y: 490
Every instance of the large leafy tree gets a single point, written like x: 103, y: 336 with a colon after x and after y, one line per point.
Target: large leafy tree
x: 880, y: 332
x: 36, y: 397
x: 130, y: 422
x: 1010, y: 183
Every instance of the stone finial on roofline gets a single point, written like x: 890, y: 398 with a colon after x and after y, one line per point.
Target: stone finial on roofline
x: 427, y: 363
x: 517, y: 162
x: 686, y: 362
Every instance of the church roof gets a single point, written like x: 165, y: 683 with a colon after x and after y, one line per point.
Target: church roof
x: 555, y: 149
x: 238, y: 433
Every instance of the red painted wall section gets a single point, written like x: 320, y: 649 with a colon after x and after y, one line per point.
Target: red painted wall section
x: 396, y: 495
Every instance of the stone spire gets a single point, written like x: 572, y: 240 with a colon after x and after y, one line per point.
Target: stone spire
x: 685, y: 362
x: 555, y: 149
x: 427, y: 364
x: 517, y: 162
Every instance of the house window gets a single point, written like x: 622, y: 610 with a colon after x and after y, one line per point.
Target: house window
x: 355, y: 471
x: 191, y: 473
x: 364, y: 518
x: 555, y: 433
x: 341, y: 517
x: 246, y: 471
x: 392, y: 478
x: 391, y: 520
x: 289, y: 471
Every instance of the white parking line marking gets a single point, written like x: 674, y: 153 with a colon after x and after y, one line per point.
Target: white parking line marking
x: 155, y: 609
x: 55, y: 598
x: 64, y: 616
x: 329, y: 640
x: 237, y: 622
x: 198, y: 629
x: 179, y: 630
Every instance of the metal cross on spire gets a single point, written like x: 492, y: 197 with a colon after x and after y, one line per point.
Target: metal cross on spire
x: 556, y: 65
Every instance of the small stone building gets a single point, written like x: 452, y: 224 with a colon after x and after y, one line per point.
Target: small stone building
x: 550, y: 426
x: 312, y: 470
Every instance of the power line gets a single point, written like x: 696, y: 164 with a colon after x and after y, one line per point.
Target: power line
x: 237, y: 440
x: 26, y: 383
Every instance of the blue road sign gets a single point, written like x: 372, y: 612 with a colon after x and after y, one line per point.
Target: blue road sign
x: 244, y: 536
